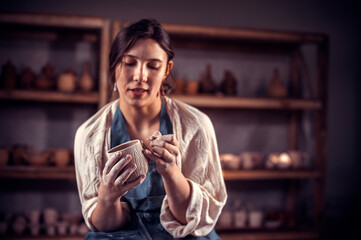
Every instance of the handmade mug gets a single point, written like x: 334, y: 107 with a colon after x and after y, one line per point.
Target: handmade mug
x: 135, y: 149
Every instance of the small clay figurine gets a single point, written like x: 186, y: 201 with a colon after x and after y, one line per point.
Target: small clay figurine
x: 207, y: 84
x: 229, y: 84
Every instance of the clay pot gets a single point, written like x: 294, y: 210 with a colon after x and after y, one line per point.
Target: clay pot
x: 4, y: 156
x: 299, y: 159
x: 230, y: 161
x: 229, y: 84
x: 225, y: 220
x: 33, y: 216
x: 50, y: 230
x: 19, y: 154
x: 27, y: 78
x: 272, y: 160
x: 135, y: 149
x: 50, y: 216
x: 240, y: 219
x: 255, y: 219
x: 192, y: 87
x: 207, y: 84
x: 285, y: 161
x: 38, y: 158
x: 46, y: 80
x: 19, y: 225
x: 61, y: 157
x: 251, y: 160
x: 67, y: 81
x: 86, y: 83
x: 276, y: 88
x: 8, y: 75
x: 62, y: 228
x: 180, y: 86
x: 83, y: 229
x: 34, y: 229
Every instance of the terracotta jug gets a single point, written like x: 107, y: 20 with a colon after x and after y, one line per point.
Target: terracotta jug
x: 86, y: 82
x: 276, y: 87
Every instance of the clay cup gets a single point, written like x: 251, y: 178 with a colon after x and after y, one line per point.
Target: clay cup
x: 135, y: 149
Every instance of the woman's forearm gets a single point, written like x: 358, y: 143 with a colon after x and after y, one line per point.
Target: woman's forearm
x: 109, y: 217
x: 178, y: 191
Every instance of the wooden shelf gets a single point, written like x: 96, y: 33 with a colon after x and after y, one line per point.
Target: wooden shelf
x: 270, y: 174
x: 49, y: 96
x: 37, y: 172
x: 211, y: 101
x: 43, y: 237
x: 288, y: 235
x: 52, y: 172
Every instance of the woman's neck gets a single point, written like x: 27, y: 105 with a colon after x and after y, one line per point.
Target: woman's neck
x: 141, y: 122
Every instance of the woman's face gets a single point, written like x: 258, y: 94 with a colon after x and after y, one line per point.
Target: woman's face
x: 140, y: 75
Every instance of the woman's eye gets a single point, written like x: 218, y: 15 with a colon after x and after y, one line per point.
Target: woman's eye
x: 152, y: 66
x: 130, y: 63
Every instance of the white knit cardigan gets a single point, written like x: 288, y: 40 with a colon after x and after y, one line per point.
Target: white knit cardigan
x: 198, y: 161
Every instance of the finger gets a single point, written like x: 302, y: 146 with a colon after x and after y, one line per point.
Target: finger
x: 110, y: 163
x: 155, y: 135
x: 163, y: 144
x: 130, y: 185
x: 170, y: 139
x: 164, y: 154
x: 151, y: 156
x: 118, y: 167
x: 125, y: 174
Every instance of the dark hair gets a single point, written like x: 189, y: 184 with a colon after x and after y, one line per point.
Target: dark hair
x: 126, y: 38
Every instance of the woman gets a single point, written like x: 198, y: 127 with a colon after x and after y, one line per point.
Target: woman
x: 183, y: 192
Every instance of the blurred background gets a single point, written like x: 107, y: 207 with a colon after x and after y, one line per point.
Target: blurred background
x: 58, y: 62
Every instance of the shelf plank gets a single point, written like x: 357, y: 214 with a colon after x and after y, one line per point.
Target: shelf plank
x: 268, y: 235
x: 270, y: 174
x: 43, y: 237
x: 37, y: 172
x: 49, y: 96
x: 52, y: 172
x: 53, y: 20
x: 210, y: 101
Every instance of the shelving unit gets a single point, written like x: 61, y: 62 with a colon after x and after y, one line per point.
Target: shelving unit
x: 255, y: 41
x: 195, y: 37
x: 59, y: 34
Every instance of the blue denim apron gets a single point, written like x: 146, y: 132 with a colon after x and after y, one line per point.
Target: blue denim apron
x: 144, y: 201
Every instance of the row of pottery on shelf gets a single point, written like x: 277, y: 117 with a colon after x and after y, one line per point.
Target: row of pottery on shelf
x: 255, y: 160
x: 49, y: 222
x: 47, y: 80
x: 243, y: 216
x: 19, y: 155
x: 228, y: 86
x: 252, y: 219
x: 206, y: 84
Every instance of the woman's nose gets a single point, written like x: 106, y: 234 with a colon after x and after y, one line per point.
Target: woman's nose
x: 141, y: 74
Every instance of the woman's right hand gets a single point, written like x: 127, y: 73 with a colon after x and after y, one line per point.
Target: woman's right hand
x: 115, y: 174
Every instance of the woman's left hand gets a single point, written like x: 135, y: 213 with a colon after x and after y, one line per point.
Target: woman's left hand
x: 164, y: 152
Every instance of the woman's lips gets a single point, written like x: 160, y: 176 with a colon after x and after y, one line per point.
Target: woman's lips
x: 138, y: 92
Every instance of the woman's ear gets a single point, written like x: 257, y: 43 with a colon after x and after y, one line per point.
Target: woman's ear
x: 169, y: 68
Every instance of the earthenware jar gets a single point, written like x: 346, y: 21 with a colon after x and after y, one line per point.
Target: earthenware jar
x: 85, y: 81
x: 276, y: 88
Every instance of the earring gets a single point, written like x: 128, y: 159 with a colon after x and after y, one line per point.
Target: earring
x: 115, y: 87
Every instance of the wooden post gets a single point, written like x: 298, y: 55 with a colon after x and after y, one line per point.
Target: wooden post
x: 321, y: 131
x: 103, y: 71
